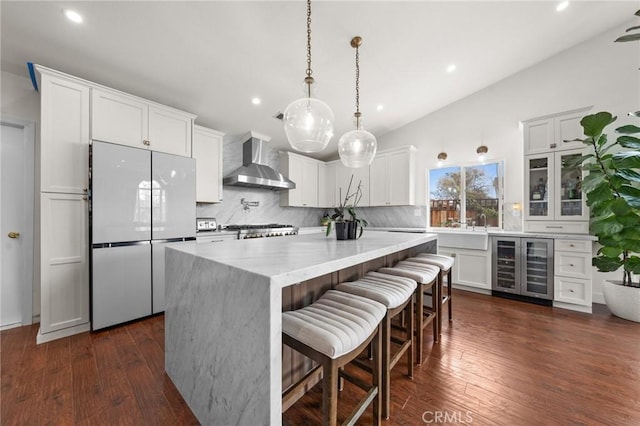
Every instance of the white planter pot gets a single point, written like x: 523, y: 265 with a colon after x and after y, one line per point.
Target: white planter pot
x: 622, y: 301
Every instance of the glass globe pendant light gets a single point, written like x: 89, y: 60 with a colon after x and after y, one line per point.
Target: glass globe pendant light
x: 357, y: 147
x: 308, y: 122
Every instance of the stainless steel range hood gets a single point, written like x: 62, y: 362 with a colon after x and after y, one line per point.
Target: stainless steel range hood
x: 254, y: 172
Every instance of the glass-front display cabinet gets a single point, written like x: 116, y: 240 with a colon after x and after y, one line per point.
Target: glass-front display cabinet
x: 553, y: 187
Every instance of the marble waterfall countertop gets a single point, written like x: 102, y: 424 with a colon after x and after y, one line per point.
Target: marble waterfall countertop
x: 223, y: 315
x: 292, y: 259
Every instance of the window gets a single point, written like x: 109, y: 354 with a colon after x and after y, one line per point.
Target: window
x: 464, y: 195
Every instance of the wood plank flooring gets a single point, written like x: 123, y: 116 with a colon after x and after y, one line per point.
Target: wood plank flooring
x: 500, y: 362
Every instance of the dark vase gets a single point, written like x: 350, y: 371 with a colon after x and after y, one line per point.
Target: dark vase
x: 342, y: 230
x: 353, y: 227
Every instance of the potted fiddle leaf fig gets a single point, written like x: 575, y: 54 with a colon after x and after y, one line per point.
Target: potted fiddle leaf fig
x: 612, y: 188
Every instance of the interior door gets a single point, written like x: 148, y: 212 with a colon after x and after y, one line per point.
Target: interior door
x: 16, y: 249
x: 173, y: 196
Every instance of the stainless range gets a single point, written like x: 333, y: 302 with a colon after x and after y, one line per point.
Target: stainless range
x: 262, y: 231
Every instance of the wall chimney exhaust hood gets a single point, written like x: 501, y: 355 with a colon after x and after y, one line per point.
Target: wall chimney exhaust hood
x: 254, y: 172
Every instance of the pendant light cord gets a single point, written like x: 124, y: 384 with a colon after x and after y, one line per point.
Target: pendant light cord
x: 357, y: 114
x: 309, y: 79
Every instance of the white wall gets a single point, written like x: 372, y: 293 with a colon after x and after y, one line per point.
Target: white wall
x: 19, y: 101
x: 597, y: 72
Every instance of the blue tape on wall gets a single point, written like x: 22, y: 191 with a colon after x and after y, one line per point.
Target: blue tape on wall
x: 32, y: 74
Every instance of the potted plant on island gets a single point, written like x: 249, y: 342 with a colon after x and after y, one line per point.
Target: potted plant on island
x: 612, y: 188
x: 346, y: 229
x: 356, y: 222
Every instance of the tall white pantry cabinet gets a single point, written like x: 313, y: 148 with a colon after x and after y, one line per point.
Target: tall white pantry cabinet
x: 63, y: 154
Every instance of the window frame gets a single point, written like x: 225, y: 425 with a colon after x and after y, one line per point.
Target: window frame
x: 463, y: 193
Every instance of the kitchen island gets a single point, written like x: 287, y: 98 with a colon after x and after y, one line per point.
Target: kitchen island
x: 223, y: 343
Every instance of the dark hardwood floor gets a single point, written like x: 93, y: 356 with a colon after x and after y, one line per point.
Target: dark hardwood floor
x: 500, y: 362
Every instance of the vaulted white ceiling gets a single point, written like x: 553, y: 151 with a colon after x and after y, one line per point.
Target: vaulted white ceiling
x: 211, y: 58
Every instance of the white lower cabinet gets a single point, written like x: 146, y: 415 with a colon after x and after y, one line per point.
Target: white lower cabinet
x: 64, y: 269
x: 471, y: 268
x: 572, y: 275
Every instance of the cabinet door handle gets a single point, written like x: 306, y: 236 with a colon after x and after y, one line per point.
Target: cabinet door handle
x: 146, y: 142
x: 84, y: 189
x: 13, y: 234
x: 85, y: 198
x: 553, y: 145
x: 572, y: 265
x: 571, y: 291
x: 571, y: 245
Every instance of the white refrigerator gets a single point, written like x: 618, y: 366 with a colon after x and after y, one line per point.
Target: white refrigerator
x: 141, y: 201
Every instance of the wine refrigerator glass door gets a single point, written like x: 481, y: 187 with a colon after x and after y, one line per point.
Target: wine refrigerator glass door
x: 537, y: 267
x: 506, y: 265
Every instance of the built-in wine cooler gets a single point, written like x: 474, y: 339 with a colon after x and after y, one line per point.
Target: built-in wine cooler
x: 523, y: 266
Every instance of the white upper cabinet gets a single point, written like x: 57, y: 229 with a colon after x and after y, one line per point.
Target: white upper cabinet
x: 119, y: 119
x: 303, y: 171
x: 549, y: 133
x: 379, y: 180
x: 127, y: 120
x: 393, y: 178
x: 360, y: 177
x: 328, y: 182
x: 170, y: 131
x: 207, y: 150
x: 64, y: 134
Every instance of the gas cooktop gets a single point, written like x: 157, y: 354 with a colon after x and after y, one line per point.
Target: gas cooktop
x: 262, y: 230
x: 263, y: 226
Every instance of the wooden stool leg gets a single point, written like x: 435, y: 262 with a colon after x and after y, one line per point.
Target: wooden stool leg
x: 409, y: 329
x: 330, y: 394
x: 377, y: 369
x: 435, y: 298
x: 439, y: 312
x: 419, y: 320
x: 449, y: 285
x: 386, y: 366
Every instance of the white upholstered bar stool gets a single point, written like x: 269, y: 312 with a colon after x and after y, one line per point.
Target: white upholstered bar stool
x: 445, y: 263
x: 427, y: 278
x: 396, y: 293
x: 333, y: 331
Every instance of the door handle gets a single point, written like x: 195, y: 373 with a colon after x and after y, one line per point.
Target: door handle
x: 13, y: 234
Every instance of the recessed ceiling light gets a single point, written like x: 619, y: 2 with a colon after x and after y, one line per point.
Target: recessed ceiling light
x: 256, y: 101
x: 380, y: 107
x: 451, y: 68
x: 72, y: 15
x: 562, y: 6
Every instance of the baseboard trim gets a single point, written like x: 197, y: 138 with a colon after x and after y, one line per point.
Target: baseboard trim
x: 10, y: 326
x: 472, y: 289
x: 59, y: 334
x: 598, y: 298
x: 572, y: 307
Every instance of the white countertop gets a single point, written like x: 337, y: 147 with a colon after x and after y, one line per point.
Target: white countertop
x: 289, y: 260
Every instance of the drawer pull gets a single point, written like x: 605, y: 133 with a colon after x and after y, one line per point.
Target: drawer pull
x: 571, y: 245
x: 554, y: 227
x: 571, y: 264
x: 571, y: 291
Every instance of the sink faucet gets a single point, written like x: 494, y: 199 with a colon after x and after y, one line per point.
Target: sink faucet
x: 482, y: 215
